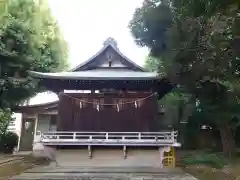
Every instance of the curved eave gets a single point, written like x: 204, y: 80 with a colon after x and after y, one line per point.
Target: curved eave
x: 97, y: 75
x: 36, y: 107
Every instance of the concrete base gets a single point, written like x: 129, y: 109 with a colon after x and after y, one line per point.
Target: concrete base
x: 22, y: 153
x: 108, y: 158
x: 104, y: 164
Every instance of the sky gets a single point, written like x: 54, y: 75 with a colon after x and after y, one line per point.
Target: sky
x: 85, y: 24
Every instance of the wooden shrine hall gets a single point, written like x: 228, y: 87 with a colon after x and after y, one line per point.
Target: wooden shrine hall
x: 107, y: 114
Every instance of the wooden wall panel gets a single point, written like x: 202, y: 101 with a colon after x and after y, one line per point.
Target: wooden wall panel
x: 88, y: 118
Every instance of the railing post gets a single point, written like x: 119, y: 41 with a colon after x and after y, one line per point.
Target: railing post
x: 139, y: 136
x: 90, y: 137
x: 74, y: 135
x: 172, y: 136
x: 50, y: 136
x: 106, y: 135
x: 89, y: 151
x: 41, y: 137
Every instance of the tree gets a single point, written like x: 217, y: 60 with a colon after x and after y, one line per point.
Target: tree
x: 30, y: 40
x: 197, y: 42
x: 155, y: 65
x: 176, y: 103
x: 8, y: 139
x: 5, y: 120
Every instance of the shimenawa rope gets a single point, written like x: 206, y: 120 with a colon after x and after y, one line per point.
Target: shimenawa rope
x: 105, y: 104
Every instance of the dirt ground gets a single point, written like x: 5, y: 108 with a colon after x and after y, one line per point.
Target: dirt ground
x: 208, y: 173
x: 205, y: 172
x: 16, y: 167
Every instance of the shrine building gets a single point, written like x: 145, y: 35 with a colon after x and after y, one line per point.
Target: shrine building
x: 116, y: 123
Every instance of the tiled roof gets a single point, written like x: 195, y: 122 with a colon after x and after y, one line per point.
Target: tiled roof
x: 98, y: 75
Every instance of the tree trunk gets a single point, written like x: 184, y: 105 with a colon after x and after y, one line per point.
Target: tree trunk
x: 185, y: 110
x: 182, y: 130
x: 228, y: 142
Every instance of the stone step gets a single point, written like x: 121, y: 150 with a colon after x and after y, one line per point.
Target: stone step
x: 106, y: 173
x: 103, y: 176
x: 60, y: 169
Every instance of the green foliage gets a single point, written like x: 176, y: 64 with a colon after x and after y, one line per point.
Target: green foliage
x: 175, y: 97
x: 200, y: 133
x: 175, y: 103
x: 155, y: 65
x: 150, y: 22
x: 214, y: 160
x: 5, y: 120
x: 197, y: 43
x: 30, y: 40
x: 195, y: 49
x: 8, y: 142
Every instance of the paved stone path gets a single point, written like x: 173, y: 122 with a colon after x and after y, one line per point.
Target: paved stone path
x: 60, y: 173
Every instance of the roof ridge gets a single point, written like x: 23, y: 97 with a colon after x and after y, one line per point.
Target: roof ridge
x: 125, y: 57
x: 90, y: 59
x: 108, y: 43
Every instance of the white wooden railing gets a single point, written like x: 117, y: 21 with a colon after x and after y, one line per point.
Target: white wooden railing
x: 111, y: 138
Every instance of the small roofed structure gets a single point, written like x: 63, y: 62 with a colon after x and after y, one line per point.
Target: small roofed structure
x: 119, y: 113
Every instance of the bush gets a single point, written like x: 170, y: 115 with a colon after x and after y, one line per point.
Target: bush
x: 214, y: 160
x: 8, y: 142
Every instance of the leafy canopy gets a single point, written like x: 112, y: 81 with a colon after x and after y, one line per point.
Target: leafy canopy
x: 196, y: 42
x: 30, y: 40
x: 5, y: 120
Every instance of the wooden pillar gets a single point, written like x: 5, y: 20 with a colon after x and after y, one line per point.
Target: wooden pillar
x: 20, y: 133
x: 58, y: 123
x: 36, y: 137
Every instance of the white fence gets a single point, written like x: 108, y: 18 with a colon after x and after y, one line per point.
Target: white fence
x: 111, y: 138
